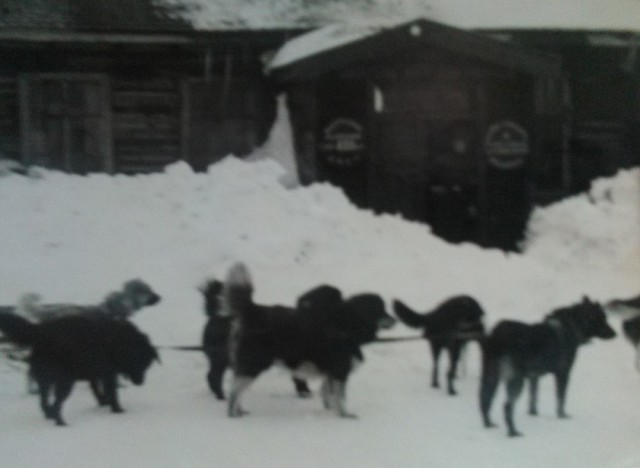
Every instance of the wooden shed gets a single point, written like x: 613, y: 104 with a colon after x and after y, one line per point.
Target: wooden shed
x: 126, y: 86
x: 438, y: 124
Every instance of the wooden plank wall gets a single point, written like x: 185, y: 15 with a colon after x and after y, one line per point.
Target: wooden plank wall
x: 146, y: 124
x: 9, y: 119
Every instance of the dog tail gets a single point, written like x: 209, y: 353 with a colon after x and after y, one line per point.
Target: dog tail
x: 238, y: 291
x: 407, y: 315
x: 17, y: 329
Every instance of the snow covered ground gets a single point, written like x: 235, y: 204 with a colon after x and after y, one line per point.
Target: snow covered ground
x: 73, y: 238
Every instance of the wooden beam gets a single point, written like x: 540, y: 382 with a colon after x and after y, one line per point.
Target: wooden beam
x: 88, y: 38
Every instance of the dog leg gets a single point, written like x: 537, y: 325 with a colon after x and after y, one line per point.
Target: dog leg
x: 98, y: 392
x: 514, y: 388
x: 110, y: 383
x: 62, y: 390
x: 638, y: 357
x: 325, y: 392
x: 240, y: 385
x: 488, y: 386
x: 533, y: 396
x: 214, y: 379
x: 436, y: 348
x: 339, y: 398
x: 562, y: 382
x: 218, y: 363
x: 454, y: 357
x: 44, y: 388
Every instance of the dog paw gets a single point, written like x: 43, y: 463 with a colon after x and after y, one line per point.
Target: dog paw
x: 515, y: 434
x: 237, y: 412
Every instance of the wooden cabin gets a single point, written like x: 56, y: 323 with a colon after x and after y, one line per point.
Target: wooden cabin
x: 435, y: 123
x: 126, y: 86
x: 464, y: 130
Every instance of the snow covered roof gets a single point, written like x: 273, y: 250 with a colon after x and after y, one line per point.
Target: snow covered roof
x: 336, y: 46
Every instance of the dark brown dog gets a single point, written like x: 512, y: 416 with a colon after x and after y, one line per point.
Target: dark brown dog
x: 449, y: 326
x: 515, y: 351
x: 72, y: 348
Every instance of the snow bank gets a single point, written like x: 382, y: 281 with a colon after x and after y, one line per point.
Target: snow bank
x: 74, y: 238
x: 595, y: 230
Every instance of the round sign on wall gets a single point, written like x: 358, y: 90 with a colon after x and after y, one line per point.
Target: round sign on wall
x: 342, y: 143
x: 506, y: 145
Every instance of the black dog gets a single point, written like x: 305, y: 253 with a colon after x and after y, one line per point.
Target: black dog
x: 449, y: 326
x: 72, y: 348
x: 322, y: 335
x: 215, y: 340
x: 134, y: 295
x: 516, y: 351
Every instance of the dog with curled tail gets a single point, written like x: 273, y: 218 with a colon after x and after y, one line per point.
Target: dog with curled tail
x: 322, y: 335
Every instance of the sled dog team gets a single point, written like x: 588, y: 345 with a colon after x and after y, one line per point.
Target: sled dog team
x: 322, y: 334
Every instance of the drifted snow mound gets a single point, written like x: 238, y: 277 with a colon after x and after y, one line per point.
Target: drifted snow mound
x: 598, y: 229
x: 74, y: 238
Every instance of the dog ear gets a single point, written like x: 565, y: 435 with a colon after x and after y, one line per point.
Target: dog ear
x: 586, y: 300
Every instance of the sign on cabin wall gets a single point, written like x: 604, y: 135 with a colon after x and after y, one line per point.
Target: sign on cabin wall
x: 341, y: 144
x: 506, y: 145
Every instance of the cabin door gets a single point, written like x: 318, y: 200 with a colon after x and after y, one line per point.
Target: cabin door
x: 66, y: 122
x: 398, y: 168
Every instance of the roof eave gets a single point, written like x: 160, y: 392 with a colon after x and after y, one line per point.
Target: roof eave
x: 387, y: 42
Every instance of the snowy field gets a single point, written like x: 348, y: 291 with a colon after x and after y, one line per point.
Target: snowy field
x: 73, y: 238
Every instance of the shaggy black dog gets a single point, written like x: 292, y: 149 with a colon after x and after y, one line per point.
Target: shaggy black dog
x: 215, y: 340
x: 134, y: 295
x: 322, y: 335
x: 516, y: 351
x: 449, y: 326
x: 73, y: 348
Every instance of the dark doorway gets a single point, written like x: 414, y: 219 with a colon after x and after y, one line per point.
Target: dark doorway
x: 453, y: 180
